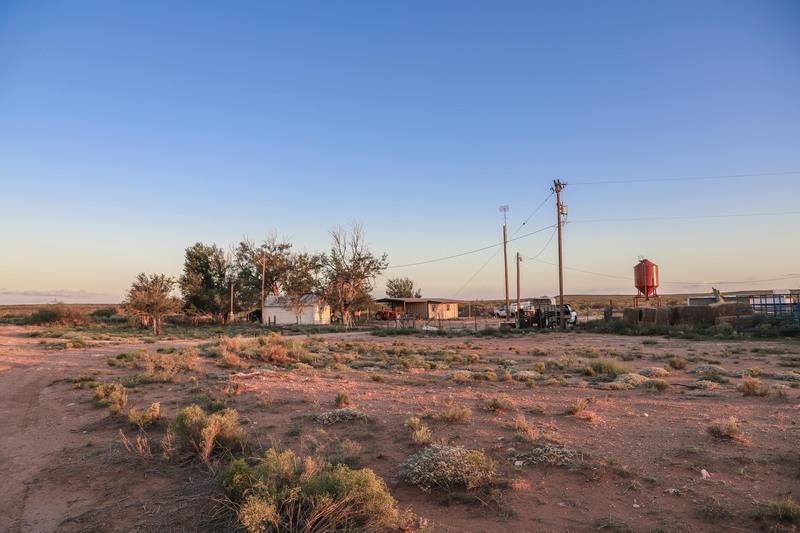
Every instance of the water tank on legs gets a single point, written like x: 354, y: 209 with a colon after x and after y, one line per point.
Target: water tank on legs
x: 645, y: 276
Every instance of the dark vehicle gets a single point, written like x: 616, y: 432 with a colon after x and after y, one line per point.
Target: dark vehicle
x: 254, y: 316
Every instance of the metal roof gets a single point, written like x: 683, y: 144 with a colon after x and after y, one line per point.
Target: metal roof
x: 420, y: 300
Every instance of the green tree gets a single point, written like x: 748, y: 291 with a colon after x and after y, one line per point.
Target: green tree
x: 205, y: 283
x: 402, y: 288
x: 348, y: 271
x: 300, y: 281
x: 150, y: 298
x: 260, y: 268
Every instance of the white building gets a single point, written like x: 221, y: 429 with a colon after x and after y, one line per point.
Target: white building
x: 277, y: 310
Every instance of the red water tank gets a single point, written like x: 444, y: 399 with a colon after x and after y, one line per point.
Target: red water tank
x: 645, y: 276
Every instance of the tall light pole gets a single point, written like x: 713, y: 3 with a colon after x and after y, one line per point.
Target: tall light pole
x: 504, y: 210
x: 561, y: 211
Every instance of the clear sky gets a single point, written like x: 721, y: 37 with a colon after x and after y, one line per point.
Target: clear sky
x: 131, y: 130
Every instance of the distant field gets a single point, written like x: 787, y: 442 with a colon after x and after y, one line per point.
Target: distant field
x: 28, y: 309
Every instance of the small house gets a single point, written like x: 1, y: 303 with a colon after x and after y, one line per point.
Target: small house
x: 424, y: 308
x: 310, y: 310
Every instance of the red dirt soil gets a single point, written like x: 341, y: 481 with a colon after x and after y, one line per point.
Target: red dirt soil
x: 642, y: 452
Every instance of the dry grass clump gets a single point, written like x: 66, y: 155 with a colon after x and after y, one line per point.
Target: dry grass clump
x: 550, y: 454
x: 339, y: 415
x: 283, y: 492
x: 577, y: 408
x: 456, y: 414
x: 752, y: 386
x: 163, y: 367
x: 273, y: 349
x: 607, y: 366
x: 461, y: 376
x: 206, y: 433
x: 448, y: 468
x: 143, y: 419
x: 727, y: 429
x: 786, y: 510
x: 342, y: 399
x: 420, y: 433
x: 114, y: 396
x: 498, y: 403
x: 677, y: 363
x: 524, y: 430
x: 659, y: 385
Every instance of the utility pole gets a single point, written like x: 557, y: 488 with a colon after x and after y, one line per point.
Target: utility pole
x: 561, y: 211
x: 504, y: 209
x: 519, y: 308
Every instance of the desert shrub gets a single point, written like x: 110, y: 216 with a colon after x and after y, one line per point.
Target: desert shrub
x: 57, y: 313
x: 528, y: 375
x: 549, y: 453
x: 456, y: 414
x: 420, y: 433
x: 146, y: 418
x: 603, y: 365
x: 114, y: 396
x: 726, y: 429
x: 654, y: 372
x: 207, y: 433
x: 498, y: 403
x: 448, y: 468
x: 339, y: 415
x: 752, y: 386
x: 283, y: 492
x: 711, y: 373
x: 380, y: 378
x: 786, y: 510
x: 103, y: 312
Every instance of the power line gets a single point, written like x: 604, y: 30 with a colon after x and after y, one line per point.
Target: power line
x: 650, y: 180
x: 469, y: 252
x: 690, y: 217
x: 531, y: 215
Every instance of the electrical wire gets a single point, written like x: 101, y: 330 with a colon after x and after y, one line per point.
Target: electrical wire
x: 469, y: 252
x: 534, y: 212
x: 741, y: 215
x: 650, y: 180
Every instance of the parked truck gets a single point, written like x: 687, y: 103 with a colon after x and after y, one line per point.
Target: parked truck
x: 501, y: 312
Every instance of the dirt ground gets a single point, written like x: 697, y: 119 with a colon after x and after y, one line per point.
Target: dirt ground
x: 645, y: 460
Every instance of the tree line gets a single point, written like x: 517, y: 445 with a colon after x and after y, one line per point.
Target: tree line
x: 219, y: 284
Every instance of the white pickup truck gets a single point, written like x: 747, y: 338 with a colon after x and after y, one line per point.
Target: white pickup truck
x: 501, y: 312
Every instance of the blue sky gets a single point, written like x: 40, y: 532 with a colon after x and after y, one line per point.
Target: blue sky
x: 131, y: 130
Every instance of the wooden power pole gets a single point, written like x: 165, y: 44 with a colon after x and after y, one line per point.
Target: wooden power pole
x: 561, y: 211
